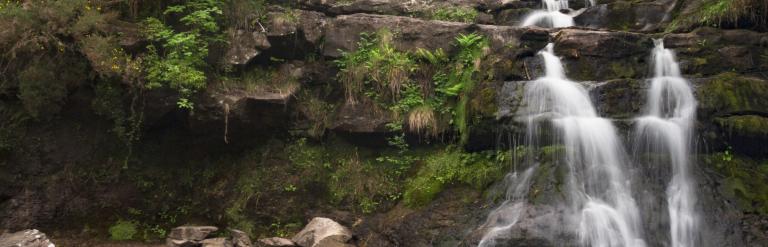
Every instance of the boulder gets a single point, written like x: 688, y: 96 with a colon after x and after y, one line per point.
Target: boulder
x: 240, y: 238
x: 184, y: 236
x: 25, y: 238
x: 275, y: 242
x: 245, y: 45
x: 323, y: 232
x: 215, y: 242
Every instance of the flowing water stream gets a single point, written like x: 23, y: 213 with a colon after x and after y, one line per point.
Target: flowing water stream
x: 665, y: 132
x: 599, y: 207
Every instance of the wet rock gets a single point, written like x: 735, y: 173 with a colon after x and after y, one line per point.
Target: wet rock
x: 628, y: 15
x: 601, y: 55
x: 25, y: 238
x: 323, y: 232
x: 240, y: 238
x: 577, y: 43
x: 245, y: 45
x: 275, y: 242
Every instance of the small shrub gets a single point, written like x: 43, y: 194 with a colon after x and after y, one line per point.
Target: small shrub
x: 123, y: 230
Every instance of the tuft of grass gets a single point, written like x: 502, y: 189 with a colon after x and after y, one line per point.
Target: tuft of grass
x: 123, y: 230
x: 422, y: 120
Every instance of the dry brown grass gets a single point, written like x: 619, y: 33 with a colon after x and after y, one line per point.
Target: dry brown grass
x: 423, y: 121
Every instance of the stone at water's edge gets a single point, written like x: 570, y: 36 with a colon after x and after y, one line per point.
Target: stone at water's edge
x: 189, y: 235
x: 275, y: 242
x: 26, y: 238
x: 240, y: 238
x: 323, y: 232
x: 215, y: 242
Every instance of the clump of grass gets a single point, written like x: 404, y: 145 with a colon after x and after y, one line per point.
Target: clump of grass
x: 422, y: 120
x: 457, y: 14
x: 123, y: 230
x: 732, y: 13
x: 263, y: 81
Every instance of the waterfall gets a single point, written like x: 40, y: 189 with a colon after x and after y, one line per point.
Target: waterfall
x: 667, y: 130
x: 599, y: 204
x: 550, y: 16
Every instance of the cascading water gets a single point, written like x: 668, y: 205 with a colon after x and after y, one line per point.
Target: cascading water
x: 666, y: 130
x: 599, y: 205
x: 550, y: 16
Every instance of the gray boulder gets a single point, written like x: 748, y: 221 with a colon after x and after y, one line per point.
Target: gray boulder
x: 323, y: 232
x: 25, y: 238
x: 189, y: 235
x: 275, y: 242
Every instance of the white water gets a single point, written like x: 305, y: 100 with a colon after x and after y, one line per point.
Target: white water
x: 667, y: 129
x: 501, y: 219
x: 550, y: 16
x: 600, y: 207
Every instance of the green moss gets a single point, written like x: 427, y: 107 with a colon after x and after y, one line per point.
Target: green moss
x: 748, y: 125
x: 123, y: 230
x: 746, y: 180
x: 730, y: 93
x: 620, y: 70
x: 452, y: 166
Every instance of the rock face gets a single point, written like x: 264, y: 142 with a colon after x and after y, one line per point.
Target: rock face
x: 323, y: 232
x: 628, y: 15
x: 26, y: 238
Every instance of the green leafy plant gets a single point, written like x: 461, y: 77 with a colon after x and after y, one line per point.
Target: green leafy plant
x: 179, y: 60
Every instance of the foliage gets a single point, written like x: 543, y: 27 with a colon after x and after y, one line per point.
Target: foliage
x: 452, y: 166
x: 732, y: 13
x: 40, y: 92
x: 350, y: 177
x: 263, y: 81
x: 746, y: 180
x: 418, y: 88
x: 457, y: 14
x: 244, y: 14
x: 318, y: 112
x: 179, y: 61
x: 123, y: 230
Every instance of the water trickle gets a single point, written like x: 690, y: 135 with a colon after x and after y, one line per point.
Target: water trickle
x: 599, y: 204
x: 667, y: 130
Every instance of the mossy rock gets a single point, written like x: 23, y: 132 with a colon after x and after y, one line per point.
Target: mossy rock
x: 748, y: 125
x: 732, y: 94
